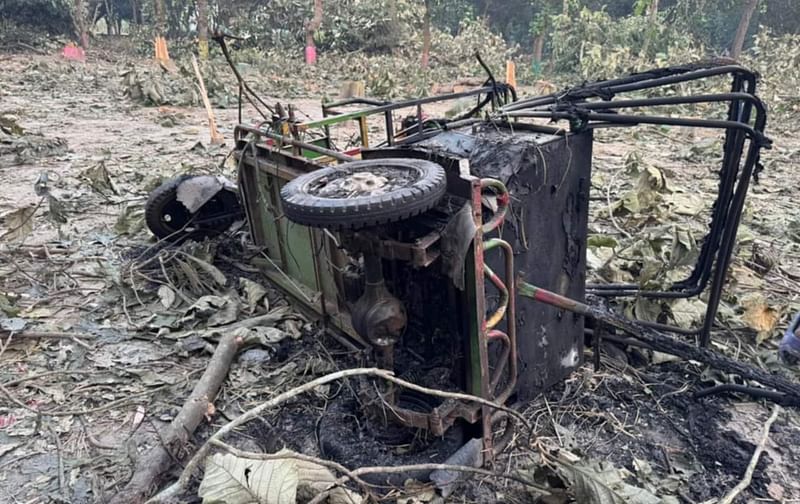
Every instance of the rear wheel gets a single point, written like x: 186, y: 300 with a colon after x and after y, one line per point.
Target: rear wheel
x: 168, y: 218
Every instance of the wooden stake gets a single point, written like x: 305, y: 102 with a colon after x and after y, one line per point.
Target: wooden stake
x: 162, y: 55
x: 511, y: 73
x: 216, y: 136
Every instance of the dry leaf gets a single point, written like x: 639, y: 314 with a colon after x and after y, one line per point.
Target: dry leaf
x: 314, y: 479
x: 209, y: 268
x: 233, y: 480
x: 99, y: 178
x: 254, y: 292
x: 19, y: 223
x: 227, y: 314
x: 166, y: 295
x: 760, y: 317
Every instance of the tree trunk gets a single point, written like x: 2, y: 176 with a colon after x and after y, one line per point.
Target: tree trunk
x: 224, y: 13
x: 135, y: 13
x: 394, y: 36
x: 741, y: 30
x: 538, y: 47
x: 161, y: 17
x: 311, y: 28
x: 202, y: 29
x: 426, y: 35
x: 80, y: 20
x: 653, y: 10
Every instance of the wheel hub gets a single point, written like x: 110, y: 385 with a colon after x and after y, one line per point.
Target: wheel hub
x: 356, y: 184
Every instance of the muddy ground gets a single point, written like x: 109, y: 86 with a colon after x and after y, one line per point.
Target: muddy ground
x: 65, y: 268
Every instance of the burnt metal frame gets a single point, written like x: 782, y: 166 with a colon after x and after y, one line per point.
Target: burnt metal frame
x: 254, y: 152
x: 735, y: 178
x: 572, y: 105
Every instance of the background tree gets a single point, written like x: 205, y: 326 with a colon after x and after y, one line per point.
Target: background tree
x: 202, y: 28
x: 653, y: 10
x: 80, y: 18
x: 311, y: 28
x: 426, y: 34
x: 160, y: 17
x: 744, y: 24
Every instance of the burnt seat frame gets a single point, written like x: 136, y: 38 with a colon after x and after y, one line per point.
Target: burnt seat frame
x: 595, y: 105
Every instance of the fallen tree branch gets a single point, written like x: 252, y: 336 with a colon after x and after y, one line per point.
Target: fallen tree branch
x: 216, y: 136
x: 756, y: 392
x: 190, y: 468
x: 151, y: 466
x: 663, y: 343
x: 751, y: 467
x: 354, y: 474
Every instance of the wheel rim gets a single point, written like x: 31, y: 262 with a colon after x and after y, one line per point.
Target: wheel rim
x: 174, y: 216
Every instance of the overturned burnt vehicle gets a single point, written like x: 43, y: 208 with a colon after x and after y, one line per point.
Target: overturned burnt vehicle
x: 452, y: 251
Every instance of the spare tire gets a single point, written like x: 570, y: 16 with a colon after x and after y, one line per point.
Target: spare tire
x: 364, y: 193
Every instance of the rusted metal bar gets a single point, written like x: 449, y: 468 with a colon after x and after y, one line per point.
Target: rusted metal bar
x: 504, y: 357
x: 478, y: 340
x: 508, y: 307
x: 296, y: 143
x: 500, y: 312
x: 503, y: 199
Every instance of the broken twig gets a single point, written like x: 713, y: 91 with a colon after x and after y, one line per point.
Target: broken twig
x: 216, y: 136
x: 751, y: 467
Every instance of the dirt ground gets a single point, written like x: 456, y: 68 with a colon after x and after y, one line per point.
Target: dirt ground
x: 106, y: 392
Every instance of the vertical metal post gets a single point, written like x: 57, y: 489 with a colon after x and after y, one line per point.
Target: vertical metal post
x: 479, y: 349
x: 728, y: 240
x: 389, y: 128
x: 363, y: 131
x: 597, y: 342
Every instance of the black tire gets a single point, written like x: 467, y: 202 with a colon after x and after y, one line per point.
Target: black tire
x: 427, y: 184
x: 168, y: 218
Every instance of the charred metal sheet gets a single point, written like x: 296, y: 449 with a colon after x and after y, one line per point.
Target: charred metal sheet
x: 548, y: 178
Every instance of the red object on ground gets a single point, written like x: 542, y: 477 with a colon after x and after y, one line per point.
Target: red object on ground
x: 72, y: 52
x: 311, y: 55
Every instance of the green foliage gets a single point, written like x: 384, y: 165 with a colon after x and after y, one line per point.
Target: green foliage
x: 370, y: 25
x: 49, y: 15
x: 777, y: 60
x: 447, y: 15
x: 278, y: 23
x: 542, y: 19
x: 593, y: 45
x: 347, y: 25
x: 641, y: 6
x: 459, y: 50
